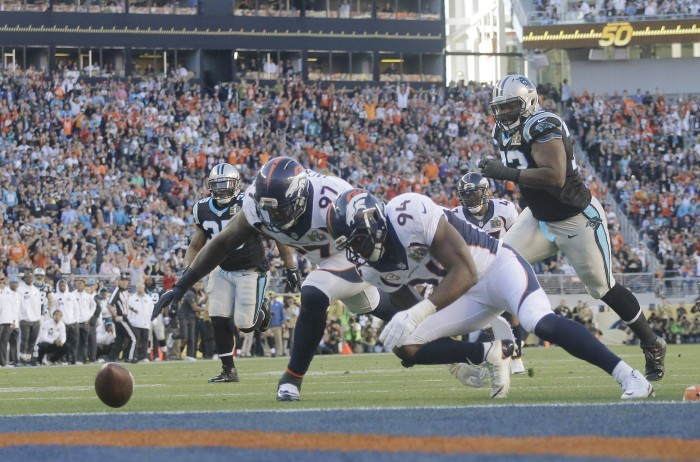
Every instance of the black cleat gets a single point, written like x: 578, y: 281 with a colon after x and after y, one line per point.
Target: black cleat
x: 655, y: 354
x: 265, y: 309
x: 226, y: 376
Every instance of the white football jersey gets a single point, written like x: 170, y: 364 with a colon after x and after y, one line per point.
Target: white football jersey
x: 309, y: 235
x: 499, y: 217
x: 412, y: 222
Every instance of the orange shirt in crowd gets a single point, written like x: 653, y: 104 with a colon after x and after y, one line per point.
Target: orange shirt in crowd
x: 16, y: 252
x: 431, y: 171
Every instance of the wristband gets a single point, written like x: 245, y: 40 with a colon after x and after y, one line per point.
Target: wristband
x: 421, y: 310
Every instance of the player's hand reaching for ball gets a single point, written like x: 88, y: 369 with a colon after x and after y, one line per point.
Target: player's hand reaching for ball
x: 171, y: 297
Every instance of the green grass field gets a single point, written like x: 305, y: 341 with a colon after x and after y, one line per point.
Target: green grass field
x: 371, y: 380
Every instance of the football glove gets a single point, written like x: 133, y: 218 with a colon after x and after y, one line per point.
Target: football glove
x: 171, y: 297
x: 492, y: 168
x: 293, y: 280
x: 403, y: 323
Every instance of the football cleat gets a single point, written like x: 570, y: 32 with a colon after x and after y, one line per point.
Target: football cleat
x: 517, y: 366
x: 498, y: 362
x: 289, y: 387
x: 470, y: 376
x: 226, y: 376
x: 635, y: 386
x: 655, y: 354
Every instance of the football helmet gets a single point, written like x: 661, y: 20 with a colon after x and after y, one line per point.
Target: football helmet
x: 357, y: 223
x: 281, y: 193
x: 514, y: 100
x: 224, y: 183
x: 473, y: 191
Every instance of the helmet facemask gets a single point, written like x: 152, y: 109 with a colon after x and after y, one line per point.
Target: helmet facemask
x: 473, y: 198
x: 508, y: 114
x: 223, y: 190
x: 224, y: 183
x: 366, y: 241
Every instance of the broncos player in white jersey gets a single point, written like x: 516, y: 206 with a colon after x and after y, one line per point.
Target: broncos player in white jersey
x: 537, y: 153
x: 411, y: 240
x: 236, y: 287
x: 288, y: 203
x: 494, y: 217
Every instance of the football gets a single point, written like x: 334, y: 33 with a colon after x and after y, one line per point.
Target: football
x: 692, y: 393
x: 114, y: 385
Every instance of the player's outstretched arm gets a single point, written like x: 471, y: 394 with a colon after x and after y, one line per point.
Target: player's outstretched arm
x: 232, y: 236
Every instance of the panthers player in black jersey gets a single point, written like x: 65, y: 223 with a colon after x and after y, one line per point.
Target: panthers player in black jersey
x: 236, y: 287
x: 561, y: 214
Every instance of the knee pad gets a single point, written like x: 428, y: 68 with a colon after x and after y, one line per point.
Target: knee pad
x: 360, y: 303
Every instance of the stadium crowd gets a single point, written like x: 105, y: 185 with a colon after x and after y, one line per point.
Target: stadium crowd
x: 98, y: 179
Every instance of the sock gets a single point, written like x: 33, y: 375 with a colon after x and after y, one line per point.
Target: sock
x: 621, y: 370
x: 625, y: 304
x: 223, y: 338
x: 311, y: 324
x: 447, y: 351
x: 577, y: 340
x: 520, y: 335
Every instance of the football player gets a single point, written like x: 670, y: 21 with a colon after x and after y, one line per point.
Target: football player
x: 411, y: 240
x: 236, y: 288
x: 288, y: 203
x: 537, y: 153
x: 494, y: 217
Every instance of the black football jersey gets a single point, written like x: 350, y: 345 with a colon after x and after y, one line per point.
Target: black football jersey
x: 546, y: 204
x: 211, y: 220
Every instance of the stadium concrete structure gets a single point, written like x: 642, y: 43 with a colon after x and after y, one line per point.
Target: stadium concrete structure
x: 602, y: 51
x: 220, y: 40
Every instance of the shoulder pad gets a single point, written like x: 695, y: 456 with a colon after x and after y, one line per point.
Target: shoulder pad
x: 543, y: 126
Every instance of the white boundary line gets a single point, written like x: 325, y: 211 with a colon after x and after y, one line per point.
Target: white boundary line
x: 363, y: 409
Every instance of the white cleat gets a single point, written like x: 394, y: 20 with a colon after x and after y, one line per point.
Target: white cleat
x: 470, y: 376
x: 498, y: 362
x: 517, y: 366
x: 636, y: 386
x: 288, y: 392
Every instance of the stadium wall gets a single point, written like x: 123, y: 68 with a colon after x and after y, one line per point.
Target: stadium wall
x: 612, y: 76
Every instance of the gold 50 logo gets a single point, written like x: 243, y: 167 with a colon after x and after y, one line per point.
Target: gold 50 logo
x: 618, y: 34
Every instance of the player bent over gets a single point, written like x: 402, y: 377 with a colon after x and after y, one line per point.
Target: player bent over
x: 411, y: 240
x: 288, y: 203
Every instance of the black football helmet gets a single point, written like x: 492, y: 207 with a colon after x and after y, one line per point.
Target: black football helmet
x: 281, y: 193
x: 473, y: 191
x: 357, y: 223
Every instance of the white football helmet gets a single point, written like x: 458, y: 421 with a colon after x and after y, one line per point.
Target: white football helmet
x: 224, y: 183
x: 514, y: 100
